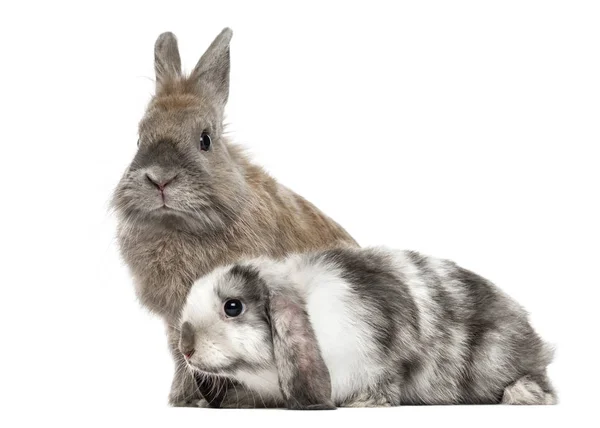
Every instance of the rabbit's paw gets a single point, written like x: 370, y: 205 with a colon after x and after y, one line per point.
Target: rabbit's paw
x: 366, y: 400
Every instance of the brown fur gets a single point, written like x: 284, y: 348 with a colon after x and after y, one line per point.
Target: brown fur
x: 274, y: 221
x: 248, y: 213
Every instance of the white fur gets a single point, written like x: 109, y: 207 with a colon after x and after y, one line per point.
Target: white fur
x: 265, y: 383
x: 346, y: 344
x: 202, y: 300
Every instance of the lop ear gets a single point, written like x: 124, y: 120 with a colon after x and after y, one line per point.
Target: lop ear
x: 303, y: 376
x: 167, y: 63
x: 212, y: 71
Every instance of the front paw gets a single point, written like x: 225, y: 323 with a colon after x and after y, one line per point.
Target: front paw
x: 317, y: 406
x: 202, y: 403
x: 185, y: 403
x: 182, y: 401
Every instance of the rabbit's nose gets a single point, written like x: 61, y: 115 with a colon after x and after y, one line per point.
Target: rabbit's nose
x: 186, y: 341
x: 159, y: 182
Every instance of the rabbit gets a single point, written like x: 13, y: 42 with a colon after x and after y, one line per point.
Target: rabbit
x: 191, y: 200
x: 367, y: 327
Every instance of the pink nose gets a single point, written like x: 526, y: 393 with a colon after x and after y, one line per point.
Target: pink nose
x: 188, y: 355
x: 159, y: 183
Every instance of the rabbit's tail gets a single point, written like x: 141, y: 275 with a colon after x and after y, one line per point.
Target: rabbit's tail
x: 530, y: 389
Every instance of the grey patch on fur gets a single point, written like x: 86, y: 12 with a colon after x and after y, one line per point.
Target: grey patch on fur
x: 381, y: 289
x: 187, y: 339
x: 213, y: 389
x: 249, y: 285
x: 238, y: 397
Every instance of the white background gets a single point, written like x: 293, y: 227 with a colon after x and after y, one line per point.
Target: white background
x: 466, y: 130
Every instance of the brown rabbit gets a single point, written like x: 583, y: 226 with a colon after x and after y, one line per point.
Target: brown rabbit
x: 191, y: 201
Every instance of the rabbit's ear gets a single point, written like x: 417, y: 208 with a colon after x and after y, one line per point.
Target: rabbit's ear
x: 303, y: 376
x: 212, y: 71
x: 167, y: 63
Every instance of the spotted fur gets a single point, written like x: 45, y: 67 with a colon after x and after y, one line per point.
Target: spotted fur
x: 369, y: 327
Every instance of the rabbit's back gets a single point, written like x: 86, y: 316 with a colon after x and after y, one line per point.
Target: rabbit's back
x: 442, y: 334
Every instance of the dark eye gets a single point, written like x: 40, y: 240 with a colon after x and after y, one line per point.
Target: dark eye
x: 233, y: 308
x: 205, y: 141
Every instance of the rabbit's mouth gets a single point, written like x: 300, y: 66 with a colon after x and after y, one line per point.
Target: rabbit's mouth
x: 169, y: 208
x: 209, y: 366
x: 166, y: 209
x: 208, y: 371
x: 171, y: 211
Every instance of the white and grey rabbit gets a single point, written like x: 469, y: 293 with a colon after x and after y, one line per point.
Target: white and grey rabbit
x: 361, y: 327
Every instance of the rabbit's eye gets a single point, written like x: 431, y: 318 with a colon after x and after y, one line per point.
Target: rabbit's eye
x: 205, y: 141
x: 233, y: 307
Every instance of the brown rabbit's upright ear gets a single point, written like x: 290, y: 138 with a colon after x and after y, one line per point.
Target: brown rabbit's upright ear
x: 167, y: 63
x: 212, y: 71
x: 303, y: 376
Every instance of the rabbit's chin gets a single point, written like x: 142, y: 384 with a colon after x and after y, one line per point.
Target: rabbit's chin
x: 172, y: 217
